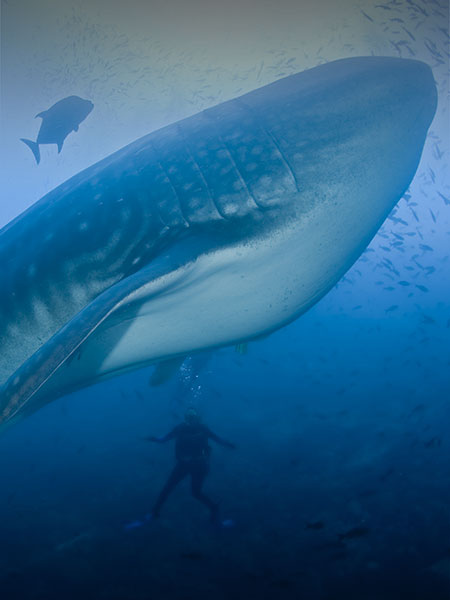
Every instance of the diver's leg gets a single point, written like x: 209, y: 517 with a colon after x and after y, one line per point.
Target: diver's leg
x: 199, y: 471
x: 179, y: 472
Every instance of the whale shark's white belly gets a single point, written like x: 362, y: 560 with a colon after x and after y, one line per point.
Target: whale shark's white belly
x: 212, y: 301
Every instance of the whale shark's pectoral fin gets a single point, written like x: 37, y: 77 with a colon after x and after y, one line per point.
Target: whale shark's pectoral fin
x: 24, y: 391
x: 241, y: 348
x: 165, y: 370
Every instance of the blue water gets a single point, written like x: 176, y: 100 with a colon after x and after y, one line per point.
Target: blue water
x: 341, y: 423
x: 338, y: 418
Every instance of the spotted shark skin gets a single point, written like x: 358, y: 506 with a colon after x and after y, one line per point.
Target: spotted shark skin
x: 214, y: 230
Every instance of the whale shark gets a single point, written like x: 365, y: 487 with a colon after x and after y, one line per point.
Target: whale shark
x: 211, y: 231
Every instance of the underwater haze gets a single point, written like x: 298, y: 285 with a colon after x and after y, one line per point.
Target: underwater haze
x: 329, y: 414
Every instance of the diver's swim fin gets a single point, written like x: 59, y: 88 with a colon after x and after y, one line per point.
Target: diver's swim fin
x: 34, y: 147
x: 138, y: 523
x: 227, y: 524
x: 133, y: 525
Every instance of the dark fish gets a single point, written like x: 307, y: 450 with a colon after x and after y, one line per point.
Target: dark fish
x: 398, y: 220
x: 409, y: 33
x: 58, y: 121
x: 437, y: 152
x: 367, y: 16
x: 315, y: 525
x: 433, y: 443
x: 355, y: 532
x: 444, y: 198
x: 422, y: 287
x: 427, y: 320
x: 432, y: 48
x: 391, y: 308
x: 414, y: 214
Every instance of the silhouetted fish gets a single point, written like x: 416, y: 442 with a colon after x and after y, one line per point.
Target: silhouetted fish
x: 391, y: 308
x: 355, y: 532
x: 58, y: 121
x: 433, y: 443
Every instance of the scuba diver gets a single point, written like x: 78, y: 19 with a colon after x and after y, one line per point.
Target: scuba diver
x: 192, y: 453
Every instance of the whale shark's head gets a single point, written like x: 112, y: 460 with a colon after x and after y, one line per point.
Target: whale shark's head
x: 317, y: 137
x: 346, y: 139
x: 346, y: 114
x: 351, y: 134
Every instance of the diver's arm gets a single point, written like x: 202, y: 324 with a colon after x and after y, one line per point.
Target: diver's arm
x: 162, y: 438
x: 220, y: 440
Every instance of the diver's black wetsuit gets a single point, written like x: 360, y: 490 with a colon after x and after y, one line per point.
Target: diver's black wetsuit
x: 192, y: 453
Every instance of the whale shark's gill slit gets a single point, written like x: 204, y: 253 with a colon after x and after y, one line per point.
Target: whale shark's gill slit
x: 273, y: 139
x: 119, y: 249
x: 283, y: 157
x: 137, y: 204
x: 239, y: 174
x: 200, y: 172
x: 220, y: 138
x: 174, y: 189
